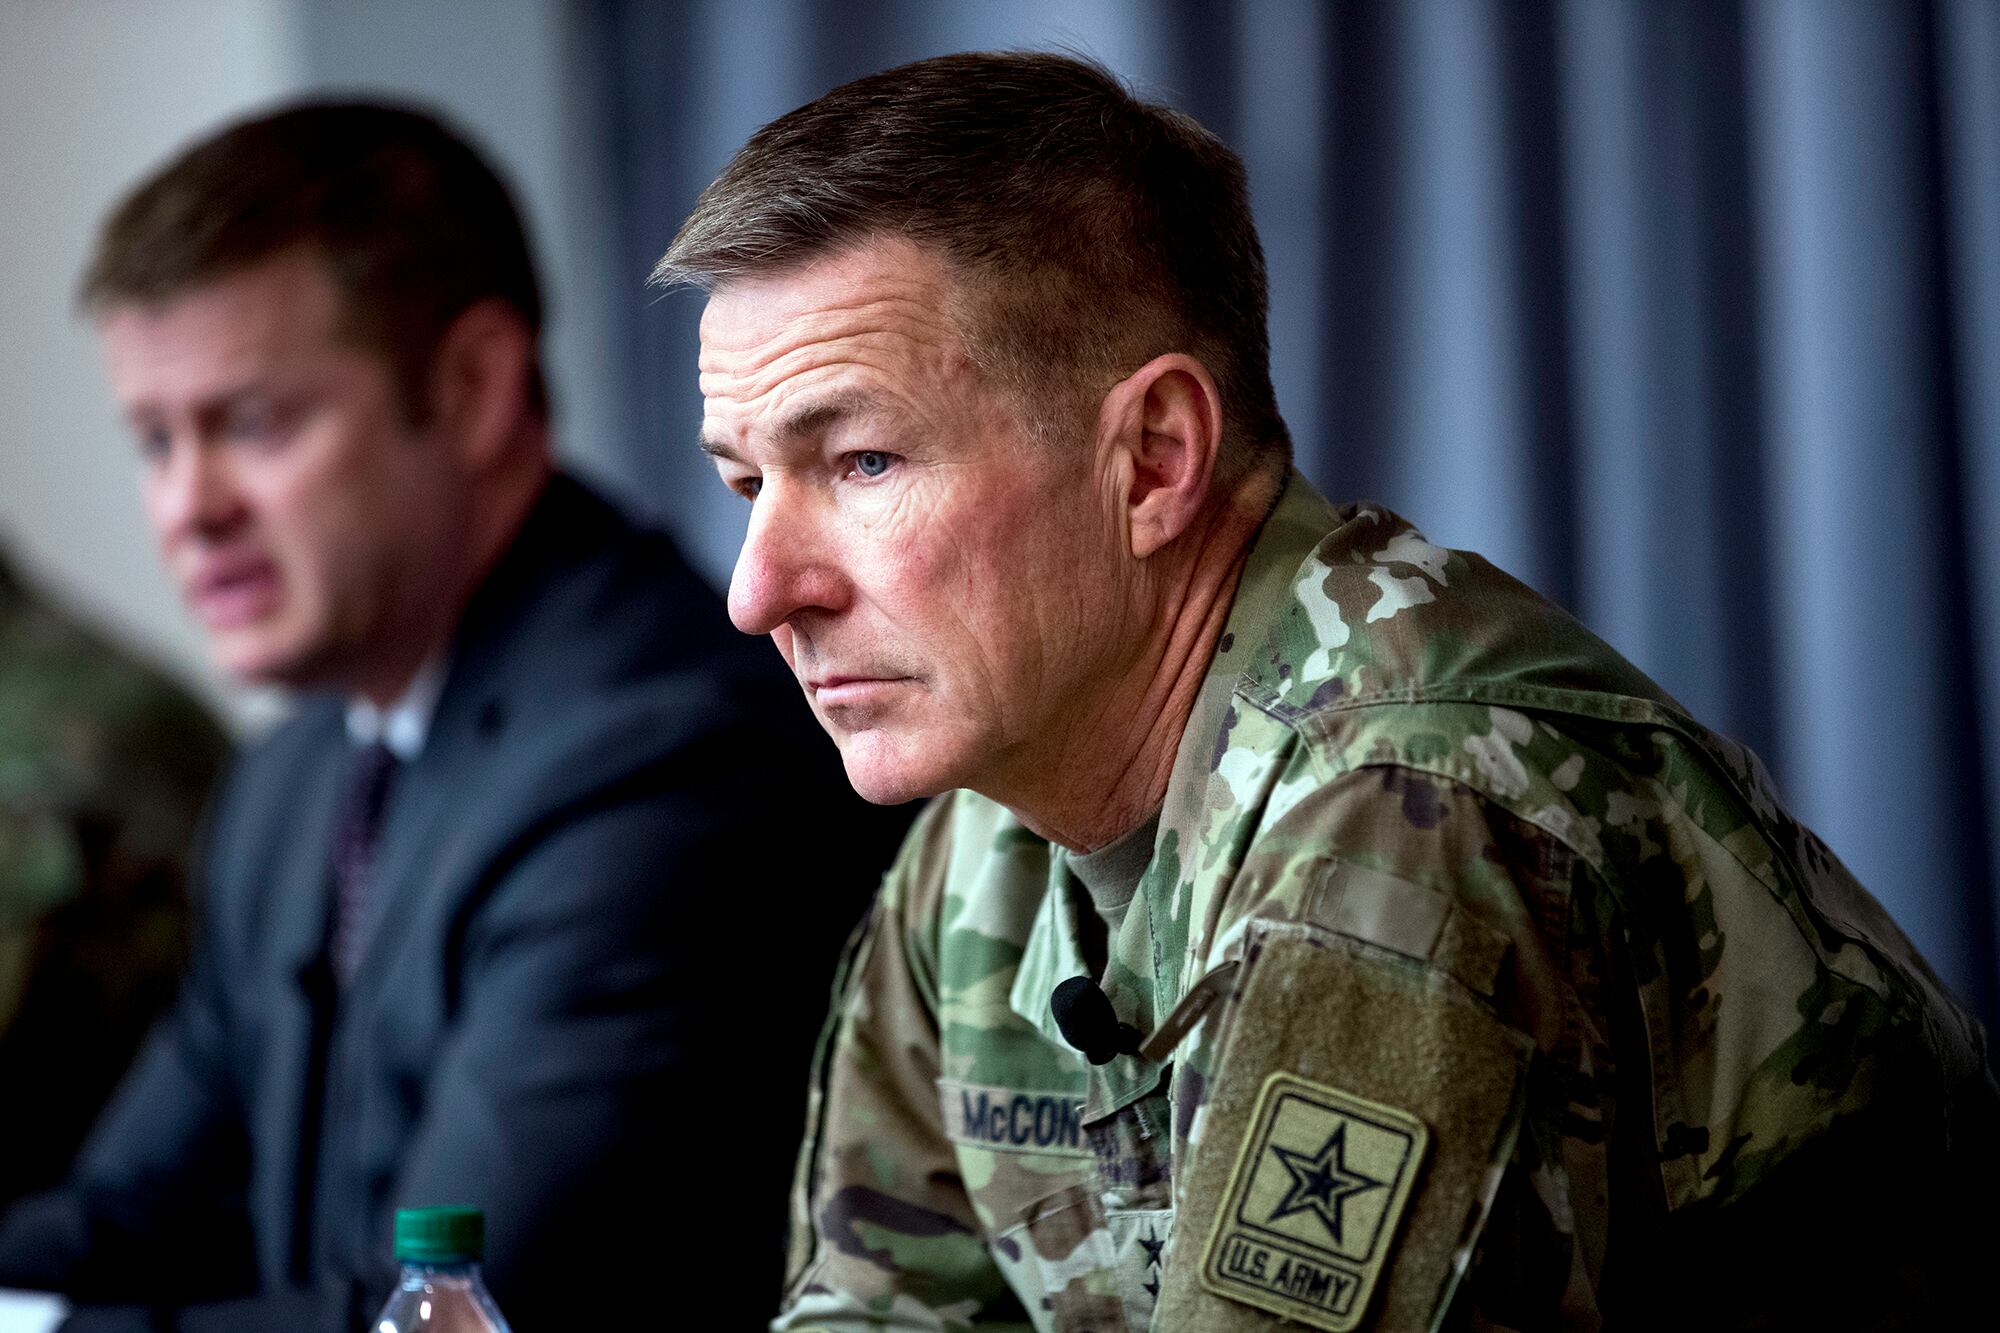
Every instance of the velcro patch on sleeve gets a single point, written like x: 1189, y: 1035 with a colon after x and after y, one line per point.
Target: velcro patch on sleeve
x: 1357, y: 1122
x: 1309, y: 1219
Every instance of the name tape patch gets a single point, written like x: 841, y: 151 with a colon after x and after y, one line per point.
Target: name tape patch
x: 1013, y: 1119
x: 1309, y: 1222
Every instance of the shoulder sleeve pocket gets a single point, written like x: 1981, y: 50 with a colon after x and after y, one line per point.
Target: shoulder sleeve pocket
x: 1353, y: 1133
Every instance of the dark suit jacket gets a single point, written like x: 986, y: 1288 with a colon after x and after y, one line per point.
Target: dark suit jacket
x: 609, y: 893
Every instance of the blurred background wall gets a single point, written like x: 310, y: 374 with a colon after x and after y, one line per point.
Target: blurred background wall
x: 1685, y: 311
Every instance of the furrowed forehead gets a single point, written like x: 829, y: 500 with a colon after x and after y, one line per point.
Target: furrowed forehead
x: 801, y: 423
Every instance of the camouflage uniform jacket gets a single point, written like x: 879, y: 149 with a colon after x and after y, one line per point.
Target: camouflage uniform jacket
x: 1462, y: 952
x: 104, y: 769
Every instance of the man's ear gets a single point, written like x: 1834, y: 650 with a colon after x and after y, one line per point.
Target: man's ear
x: 479, y: 381
x: 1164, y: 423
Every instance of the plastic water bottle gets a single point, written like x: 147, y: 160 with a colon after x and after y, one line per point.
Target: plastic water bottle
x: 441, y: 1290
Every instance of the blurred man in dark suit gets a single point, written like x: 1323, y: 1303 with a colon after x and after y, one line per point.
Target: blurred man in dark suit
x: 465, y: 915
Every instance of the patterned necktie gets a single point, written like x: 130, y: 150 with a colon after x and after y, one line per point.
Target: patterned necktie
x: 354, y: 841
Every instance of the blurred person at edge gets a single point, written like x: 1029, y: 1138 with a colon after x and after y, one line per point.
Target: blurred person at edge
x: 461, y: 913
x: 105, y: 765
x: 1313, y: 926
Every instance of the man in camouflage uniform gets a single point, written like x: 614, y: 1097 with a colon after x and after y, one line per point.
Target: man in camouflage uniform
x: 1421, y: 964
x: 104, y: 766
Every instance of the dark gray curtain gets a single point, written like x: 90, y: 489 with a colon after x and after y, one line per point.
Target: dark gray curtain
x: 1686, y: 311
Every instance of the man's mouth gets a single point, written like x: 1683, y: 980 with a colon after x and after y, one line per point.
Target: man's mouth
x: 838, y: 691
x: 230, y: 594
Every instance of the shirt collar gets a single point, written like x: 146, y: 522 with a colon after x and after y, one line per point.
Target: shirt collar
x: 404, y: 725
x: 1110, y: 875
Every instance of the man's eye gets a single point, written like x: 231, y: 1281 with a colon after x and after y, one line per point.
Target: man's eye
x: 872, y: 462
x: 748, y: 487
x: 154, y: 443
x: 254, y: 425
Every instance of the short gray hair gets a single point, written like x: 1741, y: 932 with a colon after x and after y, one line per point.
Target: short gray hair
x: 1095, y: 231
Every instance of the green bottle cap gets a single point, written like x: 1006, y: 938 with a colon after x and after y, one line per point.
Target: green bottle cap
x: 455, y: 1235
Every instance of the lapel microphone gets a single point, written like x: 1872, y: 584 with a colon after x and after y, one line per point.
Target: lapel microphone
x: 1088, y: 1022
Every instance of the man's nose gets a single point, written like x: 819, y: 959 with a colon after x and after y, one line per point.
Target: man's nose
x: 194, y: 492
x: 784, y: 567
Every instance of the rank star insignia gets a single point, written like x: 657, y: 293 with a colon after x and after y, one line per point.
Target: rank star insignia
x: 1152, y: 1244
x: 1320, y: 1181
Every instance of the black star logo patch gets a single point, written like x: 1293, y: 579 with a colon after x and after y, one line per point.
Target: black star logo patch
x: 1321, y: 1181
x: 1152, y: 1244
x: 1308, y: 1224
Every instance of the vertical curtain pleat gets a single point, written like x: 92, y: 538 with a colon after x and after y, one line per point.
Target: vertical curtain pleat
x: 1869, y: 606
x: 1968, y: 52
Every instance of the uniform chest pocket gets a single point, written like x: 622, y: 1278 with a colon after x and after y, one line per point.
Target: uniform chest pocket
x: 1360, y: 1113
x: 1030, y: 1173
x: 1133, y: 1148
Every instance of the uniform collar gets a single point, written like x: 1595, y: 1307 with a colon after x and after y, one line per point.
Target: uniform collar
x: 1298, y: 522
x: 1146, y: 962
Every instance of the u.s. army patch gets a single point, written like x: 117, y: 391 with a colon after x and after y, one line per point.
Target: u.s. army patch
x: 1309, y: 1221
